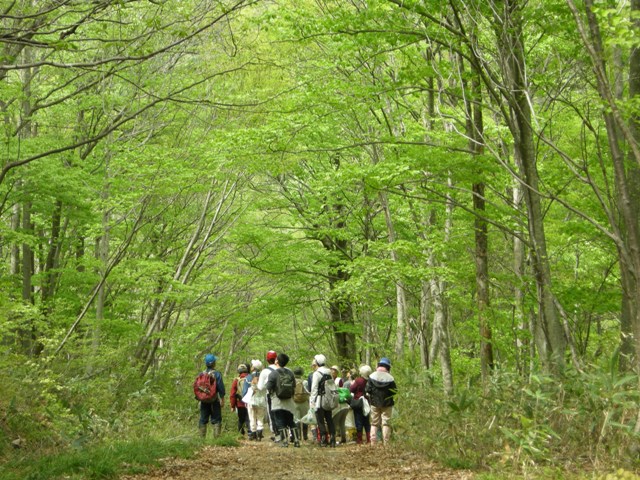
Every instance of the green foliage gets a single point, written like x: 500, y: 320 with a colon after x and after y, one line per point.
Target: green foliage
x: 99, y: 461
x: 514, y: 425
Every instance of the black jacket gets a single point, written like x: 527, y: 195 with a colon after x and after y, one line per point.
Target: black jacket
x: 381, y: 388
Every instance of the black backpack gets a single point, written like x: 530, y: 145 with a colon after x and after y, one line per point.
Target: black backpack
x: 285, y: 383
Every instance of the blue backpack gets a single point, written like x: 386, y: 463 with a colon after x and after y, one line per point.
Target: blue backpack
x: 246, y: 384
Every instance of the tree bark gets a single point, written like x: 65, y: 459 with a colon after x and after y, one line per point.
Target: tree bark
x: 549, y: 335
x: 622, y: 136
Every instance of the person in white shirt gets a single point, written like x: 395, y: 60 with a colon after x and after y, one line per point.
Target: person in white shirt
x: 262, y: 387
x: 322, y: 416
x: 256, y: 401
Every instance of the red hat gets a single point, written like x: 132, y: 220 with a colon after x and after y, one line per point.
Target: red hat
x: 271, y: 355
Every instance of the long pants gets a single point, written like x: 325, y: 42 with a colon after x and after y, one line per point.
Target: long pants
x: 256, y: 415
x: 243, y: 420
x: 380, y: 417
x: 210, y: 411
x: 323, y: 416
x: 301, y: 411
x: 283, y: 420
x: 361, y: 420
x: 272, y: 418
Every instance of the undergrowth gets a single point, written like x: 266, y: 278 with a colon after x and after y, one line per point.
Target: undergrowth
x: 535, y: 428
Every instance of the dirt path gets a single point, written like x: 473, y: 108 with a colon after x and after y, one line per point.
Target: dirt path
x: 309, y: 462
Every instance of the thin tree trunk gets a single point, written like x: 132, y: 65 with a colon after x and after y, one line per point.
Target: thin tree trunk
x: 521, y: 319
x: 425, y: 315
x: 475, y: 133
x: 549, y: 333
x: 15, y: 225
x: 401, y: 299
x: 623, y: 136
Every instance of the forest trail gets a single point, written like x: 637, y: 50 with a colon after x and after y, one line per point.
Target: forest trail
x: 267, y: 459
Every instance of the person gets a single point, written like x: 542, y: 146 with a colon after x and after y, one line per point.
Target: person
x: 381, y: 390
x: 322, y: 416
x: 282, y: 405
x: 335, y: 374
x: 212, y: 411
x: 301, y: 399
x: 349, y: 376
x: 237, y: 387
x: 357, y: 388
x: 257, y: 402
x: 262, y: 387
x: 315, y: 433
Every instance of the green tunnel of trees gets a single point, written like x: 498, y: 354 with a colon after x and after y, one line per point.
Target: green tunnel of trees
x: 453, y: 184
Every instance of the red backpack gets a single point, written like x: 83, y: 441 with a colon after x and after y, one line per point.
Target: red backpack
x: 205, y: 387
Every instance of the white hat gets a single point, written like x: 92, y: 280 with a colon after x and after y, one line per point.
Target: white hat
x: 256, y: 364
x: 320, y: 360
x: 365, y: 371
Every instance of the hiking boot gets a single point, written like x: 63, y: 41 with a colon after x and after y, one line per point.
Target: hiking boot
x: 332, y: 442
x: 202, y: 429
x: 217, y: 428
x: 259, y: 436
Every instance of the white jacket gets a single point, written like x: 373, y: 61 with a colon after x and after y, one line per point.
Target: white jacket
x: 314, y: 399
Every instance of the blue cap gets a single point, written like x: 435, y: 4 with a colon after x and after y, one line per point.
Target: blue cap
x: 385, y: 362
x: 210, y: 358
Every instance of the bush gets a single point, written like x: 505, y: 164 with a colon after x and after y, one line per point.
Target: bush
x: 585, y: 421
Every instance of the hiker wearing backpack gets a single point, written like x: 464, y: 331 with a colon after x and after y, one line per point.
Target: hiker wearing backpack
x: 281, y: 385
x: 301, y: 400
x: 262, y: 387
x: 237, y: 388
x: 256, y: 401
x: 322, y: 400
x: 209, y: 390
x: 381, y: 390
x: 357, y: 388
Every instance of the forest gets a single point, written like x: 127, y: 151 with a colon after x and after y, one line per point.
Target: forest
x: 453, y: 184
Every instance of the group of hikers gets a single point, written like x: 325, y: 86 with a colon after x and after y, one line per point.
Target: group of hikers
x: 293, y: 405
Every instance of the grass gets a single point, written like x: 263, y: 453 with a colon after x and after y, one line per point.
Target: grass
x: 105, y: 461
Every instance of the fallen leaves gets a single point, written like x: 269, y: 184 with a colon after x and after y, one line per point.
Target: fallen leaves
x: 268, y: 460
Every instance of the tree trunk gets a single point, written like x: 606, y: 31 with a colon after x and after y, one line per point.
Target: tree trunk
x: 623, y: 136
x: 48, y: 284
x: 549, y: 335
x: 15, y: 225
x: 475, y: 133
x: 424, y: 322
x: 520, y: 317
x: 401, y: 300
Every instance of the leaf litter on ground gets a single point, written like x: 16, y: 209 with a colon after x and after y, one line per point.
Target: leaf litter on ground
x: 267, y: 459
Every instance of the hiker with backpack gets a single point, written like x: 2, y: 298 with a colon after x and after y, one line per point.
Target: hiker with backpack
x: 256, y: 401
x: 323, y: 399
x: 237, y: 388
x: 262, y: 387
x: 208, y: 389
x: 361, y: 419
x: 381, y: 390
x: 281, y: 386
x: 301, y: 399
